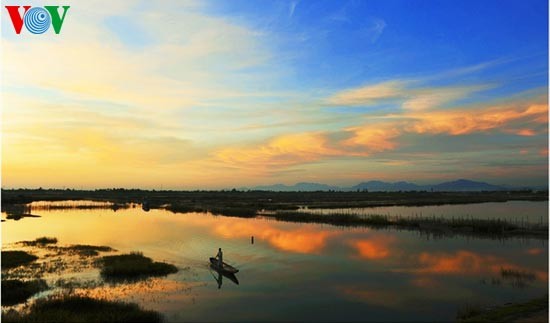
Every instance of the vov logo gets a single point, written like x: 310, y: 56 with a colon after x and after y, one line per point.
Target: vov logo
x: 37, y: 20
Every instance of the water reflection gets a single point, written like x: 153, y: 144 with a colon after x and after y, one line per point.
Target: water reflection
x: 460, y: 262
x: 149, y: 291
x: 218, y: 276
x: 534, y: 251
x: 377, y: 247
x: 293, y: 270
x: 465, y: 262
x: 301, y: 239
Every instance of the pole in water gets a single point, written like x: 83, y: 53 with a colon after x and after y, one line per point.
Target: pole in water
x: 252, y: 240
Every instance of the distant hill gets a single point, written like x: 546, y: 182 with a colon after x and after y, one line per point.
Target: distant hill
x: 380, y: 186
x: 298, y: 187
x: 466, y: 185
x: 385, y: 186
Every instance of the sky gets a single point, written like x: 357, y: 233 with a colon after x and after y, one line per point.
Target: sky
x: 221, y: 94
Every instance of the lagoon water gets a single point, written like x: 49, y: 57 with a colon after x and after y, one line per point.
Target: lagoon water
x: 296, y: 271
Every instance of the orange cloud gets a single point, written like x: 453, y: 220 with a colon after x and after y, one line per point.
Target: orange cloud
x: 461, y: 122
x: 281, y: 151
x: 374, y: 248
x: 525, y: 132
x: 383, y: 136
x: 374, y: 138
x: 288, y: 150
x: 371, y: 138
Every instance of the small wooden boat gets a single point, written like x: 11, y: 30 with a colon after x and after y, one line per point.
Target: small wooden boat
x: 225, y: 267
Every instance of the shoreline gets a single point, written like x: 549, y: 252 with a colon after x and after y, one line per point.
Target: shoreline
x: 284, y: 206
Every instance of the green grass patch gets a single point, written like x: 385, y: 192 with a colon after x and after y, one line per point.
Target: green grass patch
x: 12, y: 259
x: 469, y: 310
x: 81, y: 309
x: 15, y: 291
x: 133, y: 266
x: 508, y: 313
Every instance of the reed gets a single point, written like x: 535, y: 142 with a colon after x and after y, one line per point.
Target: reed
x: 15, y: 291
x: 16, y: 258
x: 478, y: 227
x: 70, y: 308
x: 42, y: 241
x: 535, y: 310
x: 133, y: 266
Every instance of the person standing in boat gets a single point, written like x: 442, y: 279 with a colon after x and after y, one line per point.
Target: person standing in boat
x: 220, y: 258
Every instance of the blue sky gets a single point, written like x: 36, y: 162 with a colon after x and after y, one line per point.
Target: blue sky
x: 345, y: 43
x: 193, y: 94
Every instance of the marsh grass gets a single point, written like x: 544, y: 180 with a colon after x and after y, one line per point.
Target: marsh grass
x: 531, y: 311
x: 439, y: 226
x: 337, y: 219
x: 185, y: 208
x: 16, y: 258
x: 40, y: 241
x: 235, y: 211
x: 15, y: 291
x: 511, y: 273
x: 79, y: 249
x: 133, y: 266
x: 71, y: 308
x: 517, y: 277
x: 17, y: 212
x: 88, y: 250
x: 54, y: 259
x: 469, y: 310
x: 19, y: 216
x: 231, y: 210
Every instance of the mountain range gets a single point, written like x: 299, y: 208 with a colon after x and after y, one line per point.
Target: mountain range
x: 380, y: 186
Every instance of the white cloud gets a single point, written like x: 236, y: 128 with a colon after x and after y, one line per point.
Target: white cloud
x: 437, y: 97
x: 369, y: 94
x: 375, y: 29
x: 291, y: 8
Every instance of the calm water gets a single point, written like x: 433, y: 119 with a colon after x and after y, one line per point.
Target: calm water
x: 532, y: 212
x: 295, y: 271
